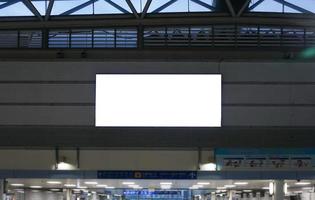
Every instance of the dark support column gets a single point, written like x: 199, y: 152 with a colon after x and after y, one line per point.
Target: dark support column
x: 2, y: 186
x: 140, y: 36
x: 56, y: 157
x: 78, y: 158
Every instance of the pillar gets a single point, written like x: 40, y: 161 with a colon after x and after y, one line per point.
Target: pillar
x: 213, y: 196
x: 68, y: 194
x: 2, y: 190
x: 278, y: 190
x: 94, y: 196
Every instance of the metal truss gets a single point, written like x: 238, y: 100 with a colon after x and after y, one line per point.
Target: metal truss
x: 130, y: 9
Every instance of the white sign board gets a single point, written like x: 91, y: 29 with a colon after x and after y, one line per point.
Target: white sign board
x: 158, y: 100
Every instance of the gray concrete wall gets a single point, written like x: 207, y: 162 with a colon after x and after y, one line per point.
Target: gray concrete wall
x: 105, y: 159
x: 256, y: 93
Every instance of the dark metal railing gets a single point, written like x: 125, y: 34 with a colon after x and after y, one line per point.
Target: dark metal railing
x: 161, y: 36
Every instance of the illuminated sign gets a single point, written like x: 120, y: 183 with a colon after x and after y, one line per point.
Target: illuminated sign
x: 158, y: 100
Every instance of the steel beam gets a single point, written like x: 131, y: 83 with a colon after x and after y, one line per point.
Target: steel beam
x: 230, y: 7
x: 294, y: 7
x: 33, y: 9
x: 164, y: 6
x: 9, y: 3
x: 118, y: 7
x: 201, y: 3
x: 146, y: 8
x: 155, y: 20
x: 252, y: 7
x: 79, y: 7
x: 49, y: 9
x: 82, y: 136
x: 132, y: 8
x: 240, y: 12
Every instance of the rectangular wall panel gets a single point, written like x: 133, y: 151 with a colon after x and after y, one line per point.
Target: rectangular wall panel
x: 85, y: 93
x: 133, y: 160
x: 268, y: 71
x: 268, y: 116
x: 86, y: 71
x: 47, y: 115
x: 47, y: 93
x: 256, y: 116
x: 255, y: 93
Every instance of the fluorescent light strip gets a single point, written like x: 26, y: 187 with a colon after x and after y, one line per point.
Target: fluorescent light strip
x: 203, y: 183
x: 166, y: 183
x: 104, y: 186
x: 69, y: 185
x: 35, y: 186
x: 91, y: 183
x: 241, y: 183
x: 302, y: 183
x: 17, y: 184
x: 54, y: 182
x: 166, y: 186
x: 128, y: 183
x: 229, y: 186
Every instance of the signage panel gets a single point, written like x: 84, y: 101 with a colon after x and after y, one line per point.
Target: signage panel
x: 147, y: 174
x: 158, y: 100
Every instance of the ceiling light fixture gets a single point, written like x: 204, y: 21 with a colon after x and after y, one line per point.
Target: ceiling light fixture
x: 166, y: 183
x: 91, y: 183
x: 271, y: 188
x: 128, y: 183
x: 35, y: 186
x: 54, y: 182
x: 241, y: 183
x: 17, y: 184
x: 69, y: 185
x: 103, y: 186
x: 203, y: 183
x: 302, y: 183
x: 229, y: 186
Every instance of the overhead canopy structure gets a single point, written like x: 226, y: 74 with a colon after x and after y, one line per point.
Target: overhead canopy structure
x: 139, y: 8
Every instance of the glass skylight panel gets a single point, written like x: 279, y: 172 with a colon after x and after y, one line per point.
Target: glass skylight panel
x: 14, y: 8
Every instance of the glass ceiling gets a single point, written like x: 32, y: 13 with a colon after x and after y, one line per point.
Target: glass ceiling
x: 95, y: 7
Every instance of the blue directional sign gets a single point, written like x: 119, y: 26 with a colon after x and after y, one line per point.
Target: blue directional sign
x: 147, y: 174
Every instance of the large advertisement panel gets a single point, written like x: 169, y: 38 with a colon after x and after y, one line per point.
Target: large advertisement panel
x: 158, y: 100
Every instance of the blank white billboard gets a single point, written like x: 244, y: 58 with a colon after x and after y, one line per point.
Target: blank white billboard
x: 158, y: 100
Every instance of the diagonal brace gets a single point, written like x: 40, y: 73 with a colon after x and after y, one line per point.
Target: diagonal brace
x: 201, y: 3
x: 49, y: 9
x: 9, y: 3
x: 118, y: 7
x: 33, y: 9
x: 79, y: 7
x: 252, y: 7
x: 132, y: 8
x: 294, y: 7
x: 146, y: 8
x: 164, y: 6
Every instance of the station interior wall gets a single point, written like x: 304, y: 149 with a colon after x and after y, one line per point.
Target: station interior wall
x: 255, y: 93
x: 264, y: 93
x: 105, y: 159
